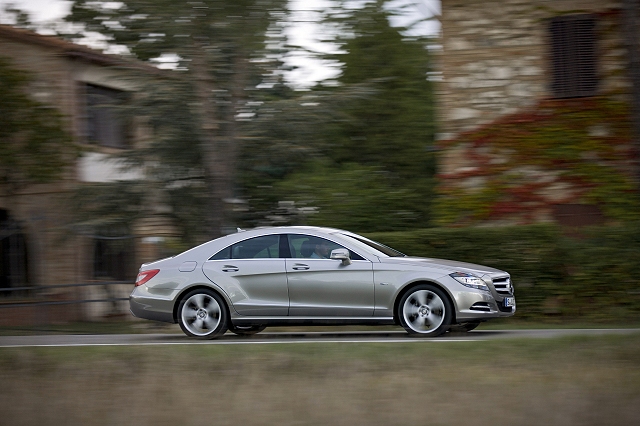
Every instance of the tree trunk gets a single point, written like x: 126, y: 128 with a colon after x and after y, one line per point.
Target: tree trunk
x: 215, y: 150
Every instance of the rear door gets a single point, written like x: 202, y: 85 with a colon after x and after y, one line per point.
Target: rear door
x: 253, y: 274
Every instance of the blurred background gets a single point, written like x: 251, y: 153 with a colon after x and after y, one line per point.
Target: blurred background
x: 501, y: 132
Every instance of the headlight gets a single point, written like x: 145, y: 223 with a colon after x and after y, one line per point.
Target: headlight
x: 469, y: 280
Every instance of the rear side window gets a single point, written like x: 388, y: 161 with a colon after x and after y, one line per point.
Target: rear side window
x: 222, y: 254
x: 265, y: 247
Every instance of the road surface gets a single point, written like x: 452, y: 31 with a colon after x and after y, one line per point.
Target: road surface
x: 297, y: 337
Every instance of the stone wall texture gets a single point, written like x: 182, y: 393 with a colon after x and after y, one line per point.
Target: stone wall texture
x: 510, y: 152
x: 495, y: 58
x: 53, y: 259
x: 55, y: 254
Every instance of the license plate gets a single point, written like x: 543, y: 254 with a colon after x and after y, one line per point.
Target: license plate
x: 509, y: 302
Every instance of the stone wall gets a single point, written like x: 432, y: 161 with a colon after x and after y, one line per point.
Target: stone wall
x: 512, y: 154
x: 495, y: 56
x: 52, y: 258
x: 59, y: 70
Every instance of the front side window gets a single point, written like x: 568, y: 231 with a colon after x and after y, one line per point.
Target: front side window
x: 310, y: 247
x: 379, y: 249
x: 265, y: 247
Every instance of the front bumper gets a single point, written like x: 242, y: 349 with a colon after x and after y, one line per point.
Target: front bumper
x: 474, y: 305
x: 484, y: 307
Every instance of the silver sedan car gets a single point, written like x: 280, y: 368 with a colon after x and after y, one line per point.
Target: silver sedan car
x: 279, y: 276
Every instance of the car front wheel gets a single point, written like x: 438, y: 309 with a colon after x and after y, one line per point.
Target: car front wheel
x: 202, y: 314
x: 425, y: 311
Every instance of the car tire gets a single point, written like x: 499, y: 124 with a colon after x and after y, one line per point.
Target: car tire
x: 203, y: 314
x: 425, y: 311
x: 246, y: 330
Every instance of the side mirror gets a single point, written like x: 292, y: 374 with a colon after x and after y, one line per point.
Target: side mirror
x: 341, y: 254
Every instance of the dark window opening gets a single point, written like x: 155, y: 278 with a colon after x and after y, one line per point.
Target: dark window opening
x: 113, y: 259
x: 13, y: 255
x: 106, y: 121
x: 577, y: 215
x: 573, y: 56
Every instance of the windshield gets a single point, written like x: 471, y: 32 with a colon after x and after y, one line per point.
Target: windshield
x: 378, y: 249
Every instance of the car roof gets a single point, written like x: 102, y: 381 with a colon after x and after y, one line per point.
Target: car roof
x: 298, y: 228
x: 225, y: 240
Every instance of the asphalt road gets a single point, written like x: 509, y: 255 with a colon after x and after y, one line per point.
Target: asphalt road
x: 267, y: 337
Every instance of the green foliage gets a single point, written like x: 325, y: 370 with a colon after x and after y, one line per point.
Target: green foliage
x: 377, y: 127
x: 352, y: 196
x: 365, y: 146
x: 150, y: 28
x: 592, y: 276
x: 34, y: 146
x: 602, y: 279
x: 174, y: 180
x: 394, y: 129
x: 289, y: 134
x: 583, y: 145
x: 221, y: 36
x: 197, y: 135
x: 107, y: 205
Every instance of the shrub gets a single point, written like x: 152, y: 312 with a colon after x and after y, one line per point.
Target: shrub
x: 591, y: 275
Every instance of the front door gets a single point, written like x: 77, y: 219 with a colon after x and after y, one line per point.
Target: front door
x: 319, y: 286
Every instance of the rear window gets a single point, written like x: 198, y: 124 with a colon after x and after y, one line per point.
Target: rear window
x: 264, y: 247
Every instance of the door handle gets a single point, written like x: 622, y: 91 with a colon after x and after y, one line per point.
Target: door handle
x: 300, y: 267
x: 230, y: 268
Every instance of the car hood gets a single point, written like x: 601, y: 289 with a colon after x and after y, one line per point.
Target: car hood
x: 447, y: 265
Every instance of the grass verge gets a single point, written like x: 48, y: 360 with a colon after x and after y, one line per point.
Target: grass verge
x: 565, y: 381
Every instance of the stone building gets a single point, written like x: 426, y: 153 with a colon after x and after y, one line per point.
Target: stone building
x: 37, y: 248
x: 534, y: 113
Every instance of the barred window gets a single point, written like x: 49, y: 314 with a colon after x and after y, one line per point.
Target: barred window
x: 573, y: 56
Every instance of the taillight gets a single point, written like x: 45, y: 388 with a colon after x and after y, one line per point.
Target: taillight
x: 145, y: 276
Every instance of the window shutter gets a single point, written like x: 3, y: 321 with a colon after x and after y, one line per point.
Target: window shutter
x: 573, y: 56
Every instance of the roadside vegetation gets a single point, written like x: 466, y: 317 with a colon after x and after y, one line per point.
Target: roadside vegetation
x: 563, y: 381
x: 561, y: 280
x: 235, y: 145
x: 560, y: 275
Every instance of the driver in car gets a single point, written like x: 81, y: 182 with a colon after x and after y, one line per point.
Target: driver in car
x: 321, y: 251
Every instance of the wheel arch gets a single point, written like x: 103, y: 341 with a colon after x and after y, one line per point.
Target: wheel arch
x: 187, y: 290
x: 414, y: 284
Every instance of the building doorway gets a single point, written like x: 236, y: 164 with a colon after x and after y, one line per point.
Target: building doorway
x: 13, y: 255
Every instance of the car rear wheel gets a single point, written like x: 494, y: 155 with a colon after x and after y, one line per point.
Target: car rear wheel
x: 425, y: 311
x: 246, y: 330
x: 203, y: 314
